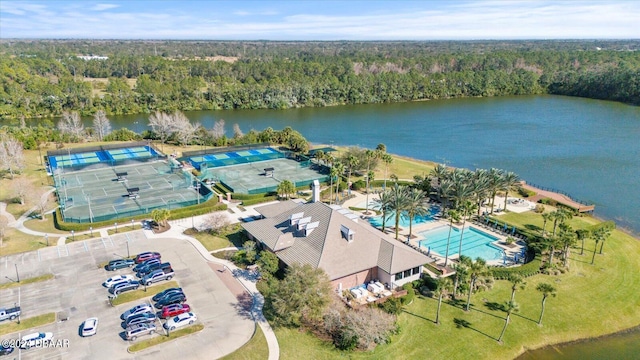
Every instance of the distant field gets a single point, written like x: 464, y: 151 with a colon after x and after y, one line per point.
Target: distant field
x: 99, y: 84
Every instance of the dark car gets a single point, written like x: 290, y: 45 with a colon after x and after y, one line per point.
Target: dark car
x: 139, y: 319
x: 164, y: 293
x: 125, y: 286
x: 119, y: 264
x: 171, y: 299
x: 145, y: 263
x: 148, y: 269
x: 6, y: 349
x: 146, y: 256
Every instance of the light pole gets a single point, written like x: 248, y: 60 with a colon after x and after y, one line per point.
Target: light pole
x: 116, y: 224
x: 17, y: 275
x: 91, y: 230
x: 73, y: 235
x: 128, y: 255
x: 46, y: 238
x: 131, y: 224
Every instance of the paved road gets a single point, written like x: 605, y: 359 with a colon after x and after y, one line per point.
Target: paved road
x: 77, y: 292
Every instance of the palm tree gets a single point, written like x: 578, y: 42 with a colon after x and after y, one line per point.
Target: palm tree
x: 439, y: 172
x: 599, y: 235
x: 286, y: 188
x: 605, y: 235
x: 581, y: 235
x: 399, y: 203
x: 495, y: 183
x: 444, y: 191
x: 567, y: 238
x: 477, y: 269
x: 509, y: 180
x: 479, y: 187
x: 517, y: 281
x: 551, y: 243
x: 369, y: 155
x: 467, y: 208
x: 545, y: 218
x: 546, y: 290
x: 453, y: 215
x: 559, y: 217
x: 319, y: 155
x: 510, y: 307
x: 385, y: 200
x: 352, y: 161
x: 443, y: 288
x: 415, y: 206
x: 337, y: 170
x: 462, y: 272
x: 387, y: 159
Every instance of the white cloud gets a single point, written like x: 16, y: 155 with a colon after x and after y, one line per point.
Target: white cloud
x: 103, y: 7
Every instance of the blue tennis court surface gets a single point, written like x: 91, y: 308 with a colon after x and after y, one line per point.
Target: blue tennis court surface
x: 234, y: 158
x: 99, y: 156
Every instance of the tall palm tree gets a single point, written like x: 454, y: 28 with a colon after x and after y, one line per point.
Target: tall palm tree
x: 439, y: 172
x: 415, y: 206
x: 605, y: 235
x: 399, y: 203
x: 336, y: 171
x: 443, y: 288
x: 599, y: 235
x: 509, y: 180
x: 546, y: 290
x: 387, y: 159
x: 479, y: 187
x: 510, y: 307
x: 517, y: 281
x: 495, y: 184
x: 551, y: 244
x: 582, y: 235
x: 467, y: 207
x: 352, y: 161
x: 453, y: 215
x: 369, y: 155
x: 462, y: 271
x: 444, y: 192
x: 560, y: 216
x: 477, y: 269
x: 385, y: 200
x: 319, y: 155
x: 567, y: 238
x: 545, y: 218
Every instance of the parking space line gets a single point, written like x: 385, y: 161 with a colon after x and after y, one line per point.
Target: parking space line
x: 103, y: 243
x: 85, y: 247
x: 111, y: 241
x: 39, y: 255
x: 58, y: 248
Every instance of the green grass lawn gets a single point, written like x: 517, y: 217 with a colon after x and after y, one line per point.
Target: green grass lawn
x: 15, y: 241
x: 45, y: 226
x: 592, y: 300
x: 234, y: 236
x: 140, y: 293
x: 124, y: 227
x: 255, y: 349
x: 156, y: 340
x: 32, y: 322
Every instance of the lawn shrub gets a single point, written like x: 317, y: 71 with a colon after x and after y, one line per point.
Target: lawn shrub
x: 548, y: 201
x: 360, y: 184
x: 259, y: 200
x: 526, y: 192
x: 391, y: 306
x: 529, y: 269
x: 411, y: 294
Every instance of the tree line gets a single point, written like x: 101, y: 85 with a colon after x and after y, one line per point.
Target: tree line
x: 47, y: 78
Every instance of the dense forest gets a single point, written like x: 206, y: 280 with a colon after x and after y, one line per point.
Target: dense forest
x: 41, y: 78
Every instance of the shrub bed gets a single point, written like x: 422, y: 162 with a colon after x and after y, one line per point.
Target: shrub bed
x: 529, y: 269
x: 259, y: 200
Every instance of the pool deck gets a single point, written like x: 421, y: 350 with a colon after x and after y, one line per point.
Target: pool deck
x: 403, y: 233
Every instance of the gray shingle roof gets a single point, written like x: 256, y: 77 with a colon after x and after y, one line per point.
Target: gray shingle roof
x: 327, y: 248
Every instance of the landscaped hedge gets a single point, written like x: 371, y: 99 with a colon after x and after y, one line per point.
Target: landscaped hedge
x: 259, y: 200
x: 206, y: 207
x: 526, y: 192
x: 380, y: 183
x: 238, y: 196
x: 529, y: 269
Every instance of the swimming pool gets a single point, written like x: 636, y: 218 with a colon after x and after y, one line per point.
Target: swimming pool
x: 475, y: 243
x: 404, y: 219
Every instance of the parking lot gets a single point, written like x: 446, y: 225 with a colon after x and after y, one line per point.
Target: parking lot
x: 76, y: 293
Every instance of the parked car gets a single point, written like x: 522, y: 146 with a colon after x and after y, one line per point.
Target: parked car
x: 117, y: 279
x: 6, y: 349
x: 10, y: 313
x: 174, y: 310
x: 148, y: 269
x: 35, y: 339
x: 163, y: 293
x: 89, y: 327
x: 145, y: 264
x: 157, y: 275
x: 125, y: 286
x: 171, y: 299
x: 119, y: 264
x: 138, y: 309
x: 180, y: 320
x: 140, y: 318
x: 134, y: 331
x: 146, y: 256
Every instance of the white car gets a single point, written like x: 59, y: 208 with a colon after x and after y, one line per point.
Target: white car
x: 180, y: 320
x: 90, y: 327
x: 35, y: 339
x: 138, y: 309
x: 117, y: 279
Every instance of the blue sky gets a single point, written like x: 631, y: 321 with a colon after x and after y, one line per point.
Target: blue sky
x: 320, y: 20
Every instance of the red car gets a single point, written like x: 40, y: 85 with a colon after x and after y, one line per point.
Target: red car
x: 147, y: 256
x: 174, y: 310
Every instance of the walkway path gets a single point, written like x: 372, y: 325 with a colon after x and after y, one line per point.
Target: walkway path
x: 560, y: 198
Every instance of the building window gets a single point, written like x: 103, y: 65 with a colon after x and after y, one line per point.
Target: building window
x: 415, y: 270
x: 399, y: 276
x: 407, y: 273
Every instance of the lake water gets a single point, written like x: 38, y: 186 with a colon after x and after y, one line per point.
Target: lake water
x: 588, y: 148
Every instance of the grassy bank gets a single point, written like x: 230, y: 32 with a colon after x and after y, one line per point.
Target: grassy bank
x: 32, y: 322
x: 27, y: 281
x: 144, y: 344
x: 255, y: 349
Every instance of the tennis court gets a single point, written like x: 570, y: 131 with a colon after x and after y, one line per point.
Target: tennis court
x: 234, y: 158
x: 106, y: 155
x: 264, y: 176
x: 110, y: 193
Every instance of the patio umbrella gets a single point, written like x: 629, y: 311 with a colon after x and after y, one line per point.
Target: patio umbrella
x: 504, y: 259
x: 513, y: 230
x: 505, y: 226
x: 428, y: 250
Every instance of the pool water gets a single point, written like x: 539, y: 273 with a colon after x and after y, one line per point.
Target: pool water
x: 475, y: 243
x: 404, y: 219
